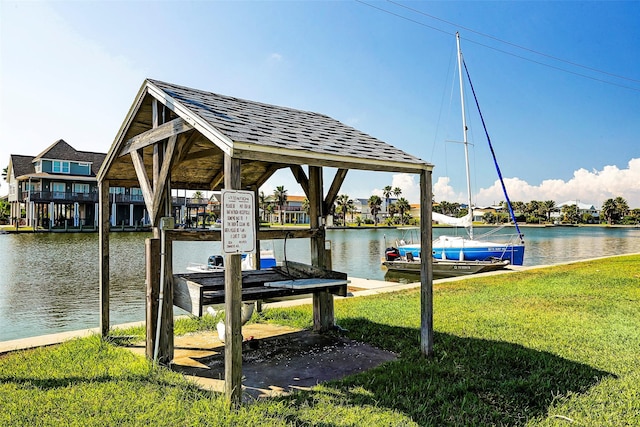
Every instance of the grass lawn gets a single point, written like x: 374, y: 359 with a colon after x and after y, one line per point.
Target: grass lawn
x: 556, y: 346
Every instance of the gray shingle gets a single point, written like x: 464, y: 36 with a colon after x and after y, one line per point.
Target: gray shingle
x: 270, y: 125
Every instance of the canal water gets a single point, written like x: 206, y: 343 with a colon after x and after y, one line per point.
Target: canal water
x: 49, y: 281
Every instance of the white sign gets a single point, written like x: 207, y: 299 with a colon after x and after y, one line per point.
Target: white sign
x: 238, y: 222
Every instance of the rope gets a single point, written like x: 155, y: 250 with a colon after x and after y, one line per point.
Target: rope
x: 493, y: 154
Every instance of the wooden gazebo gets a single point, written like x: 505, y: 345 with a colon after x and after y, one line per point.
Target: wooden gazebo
x: 175, y: 137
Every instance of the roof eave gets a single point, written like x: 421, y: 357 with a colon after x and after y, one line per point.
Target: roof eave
x: 248, y: 151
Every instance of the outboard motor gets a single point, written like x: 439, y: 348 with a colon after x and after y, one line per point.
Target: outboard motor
x: 391, y: 254
x: 216, y: 261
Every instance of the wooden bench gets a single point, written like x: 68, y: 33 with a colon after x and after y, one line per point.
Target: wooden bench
x: 192, y: 291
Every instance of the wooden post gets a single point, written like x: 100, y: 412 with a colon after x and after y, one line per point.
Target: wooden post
x: 426, y: 267
x: 165, y: 348
x: 103, y: 192
x: 152, y: 280
x: 323, y: 316
x: 232, y: 302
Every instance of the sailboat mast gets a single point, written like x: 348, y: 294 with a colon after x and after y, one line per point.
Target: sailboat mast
x: 464, y: 134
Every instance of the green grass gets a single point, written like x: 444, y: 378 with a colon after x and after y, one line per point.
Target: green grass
x: 556, y: 346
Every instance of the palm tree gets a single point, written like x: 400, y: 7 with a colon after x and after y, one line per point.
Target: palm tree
x: 397, y: 191
x: 547, y: 207
x: 262, y: 204
x: 570, y: 213
x: 374, y: 205
x: 5, y: 172
x: 621, y: 206
x: 386, y: 192
x: 281, y: 198
x: 343, y: 201
x: 403, y: 206
x: 609, y: 210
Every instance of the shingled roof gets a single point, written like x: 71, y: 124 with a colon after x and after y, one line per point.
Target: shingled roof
x: 61, y: 150
x: 21, y: 165
x: 264, y: 136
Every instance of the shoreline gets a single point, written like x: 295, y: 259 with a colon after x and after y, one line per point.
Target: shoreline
x: 358, y: 288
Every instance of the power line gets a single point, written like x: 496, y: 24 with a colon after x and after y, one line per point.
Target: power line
x: 575, y: 64
x: 508, y: 43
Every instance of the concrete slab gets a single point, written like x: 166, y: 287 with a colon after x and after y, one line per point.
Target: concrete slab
x: 276, y: 360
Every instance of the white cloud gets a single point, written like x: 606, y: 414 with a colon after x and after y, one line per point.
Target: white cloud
x: 589, y: 187
x: 275, y: 57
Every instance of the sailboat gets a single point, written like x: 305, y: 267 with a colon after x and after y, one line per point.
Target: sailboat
x: 470, y: 248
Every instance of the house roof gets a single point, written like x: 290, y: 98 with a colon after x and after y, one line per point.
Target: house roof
x: 265, y: 137
x: 580, y: 206
x: 59, y: 150
x: 21, y: 165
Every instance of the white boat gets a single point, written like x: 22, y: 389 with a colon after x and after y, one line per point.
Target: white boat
x: 470, y: 248
x: 216, y: 262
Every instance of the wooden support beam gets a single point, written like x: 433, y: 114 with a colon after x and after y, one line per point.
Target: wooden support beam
x: 145, y: 185
x: 232, y: 302
x: 301, y: 177
x: 264, y: 234
x: 273, y: 168
x: 217, y: 180
x: 152, y: 279
x: 157, y: 134
x: 335, y: 188
x: 163, y: 175
x: 323, y: 315
x: 426, y: 268
x: 103, y: 214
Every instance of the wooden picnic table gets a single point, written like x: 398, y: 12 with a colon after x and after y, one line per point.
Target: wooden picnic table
x: 192, y: 291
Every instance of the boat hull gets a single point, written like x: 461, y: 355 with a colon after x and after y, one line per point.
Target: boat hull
x: 469, y: 250
x: 444, y: 269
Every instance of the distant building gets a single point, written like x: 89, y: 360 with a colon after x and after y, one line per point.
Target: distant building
x: 55, y: 188
x: 292, y: 211
x: 58, y: 188
x: 583, y: 208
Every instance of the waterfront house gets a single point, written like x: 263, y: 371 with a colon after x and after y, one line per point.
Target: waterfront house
x: 58, y: 187
x: 583, y: 208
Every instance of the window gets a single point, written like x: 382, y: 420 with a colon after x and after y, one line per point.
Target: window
x: 59, y: 166
x: 58, y: 190
x: 38, y: 166
x: 80, y: 188
x: 116, y: 190
x: 136, y: 194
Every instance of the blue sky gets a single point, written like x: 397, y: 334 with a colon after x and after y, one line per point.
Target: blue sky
x: 562, y: 113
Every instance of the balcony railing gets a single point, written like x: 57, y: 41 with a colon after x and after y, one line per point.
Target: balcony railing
x: 59, y: 196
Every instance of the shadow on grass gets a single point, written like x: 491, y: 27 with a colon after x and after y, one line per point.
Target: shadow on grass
x: 469, y: 381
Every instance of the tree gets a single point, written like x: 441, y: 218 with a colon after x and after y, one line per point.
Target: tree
x: 622, y: 207
x: 570, y: 214
x: 343, y: 201
x: 262, y: 204
x: 403, y: 206
x: 547, y: 207
x: 5, y: 210
x: 374, y: 203
x: 386, y: 192
x: 197, y: 195
x: 489, y: 217
x: 397, y: 191
x: 608, y: 211
x: 280, y: 195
